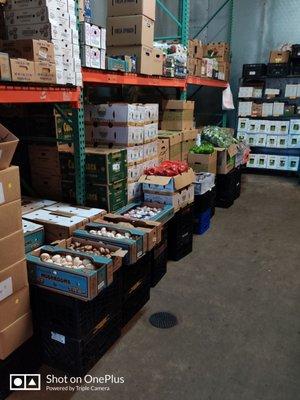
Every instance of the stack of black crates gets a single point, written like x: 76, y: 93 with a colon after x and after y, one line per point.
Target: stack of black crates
x: 159, y: 258
x: 228, y: 187
x: 295, y: 59
x: 204, y: 210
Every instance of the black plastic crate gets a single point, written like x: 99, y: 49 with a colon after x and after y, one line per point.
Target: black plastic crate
x: 278, y: 70
x: 226, y: 186
x: 74, y: 317
x: 295, y: 52
x: 77, y: 356
x: 159, y: 260
x: 254, y: 71
x: 238, y: 182
x: 136, y: 273
x: 24, y: 360
x: 182, y: 249
x: 295, y: 67
x: 204, y: 201
x: 139, y: 296
x: 180, y: 225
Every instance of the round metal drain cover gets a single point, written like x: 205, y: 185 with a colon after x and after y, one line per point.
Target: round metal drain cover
x: 163, y: 320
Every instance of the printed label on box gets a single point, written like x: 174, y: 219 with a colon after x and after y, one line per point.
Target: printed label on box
x: 2, y: 198
x: 58, y: 338
x: 6, y: 288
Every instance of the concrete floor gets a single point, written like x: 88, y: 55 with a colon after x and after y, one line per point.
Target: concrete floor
x: 237, y: 300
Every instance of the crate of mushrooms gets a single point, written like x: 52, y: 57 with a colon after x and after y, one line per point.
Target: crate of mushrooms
x: 96, y: 248
x: 131, y: 239
x: 66, y: 271
x: 147, y: 211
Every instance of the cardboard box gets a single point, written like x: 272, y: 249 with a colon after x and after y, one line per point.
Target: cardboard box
x: 245, y: 108
x: 163, y: 150
x: 203, y: 162
x: 135, y: 154
x: 5, y: 74
x: 267, y: 109
x: 291, y: 91
x: 278, y: 109
x: 261, y: 140
x: 15, y: 335
x: 57, y: 225
x: 45, y: 72
x: 188, y: 141
x: 271, y: 162
x: 33, y: 16
x: 220, y: 50
x: 150, y: 150
x: 252, y: 161
x: 256, y: 110
x: 150, y: 132
x: 30, y: 49
x: 8, y: 144
x: 118, y: 135
x: 118, y: 113
x: 272, y: 141
x: 177, y: 120
x: 177, y: 200
x: 22, y: 70
x: 128, y: 7
x: 165, y: 214
x: 10, y: 218
x: 21, y: 4
x: 13, y: 279
x: 30, y: 204
x: 294, y: 141
x: 293, y: 163
x: 226, y: 159
x: 191, y: 66
x: 9, y: 185
x: 261, y: 161
x: 224, y: 70
x: 282, y: 163
x: 143, y: 55
x: 130, y: 30
x: 175, y: 139
x: 15, y: 244
x: 134, y: 191
x: 83, y: 284
x: 13, y: 307
x: 157, y: 63
x: 135, y: 171
x: 295, y: 127
x: 281, y: 57
x: 166, y: 184
x: 195, y: 49
x: 34, y: 235
x: 80, y: 211
x: 243, y: 124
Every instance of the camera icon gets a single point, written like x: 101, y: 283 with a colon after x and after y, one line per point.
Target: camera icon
x: 25, y: 382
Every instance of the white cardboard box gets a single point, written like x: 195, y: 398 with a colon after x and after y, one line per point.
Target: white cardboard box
x: 272, y: 141
x: 282, y: 141
x: 23, y: 4
x: 272, y: 162
x: 278, y: 109
x: 282, y: 163
x: 261, y: 140
x: 253, y: 126
x: 150, y: 132
x: 245, y: 108
x: 252, y: 161
x: 122, y: 135
x: 291, y: 91
x: 246, y: 91
x: 261, y: 160
x: 151, y: 150
x: 151, y: 112
x: 293, y: 163
x: 242, y: 136
x: 263, y: 126
x: 243, y: 124
x: 134, y: 191
x: 121, y: 113
x: 251, y: 139
x: 294, y: 141
x: 135, y: 171
x: 295, y: 126
x: 135, y: 154
x: 273, y: 128
x: 267, y: 109
x: 283, y: 127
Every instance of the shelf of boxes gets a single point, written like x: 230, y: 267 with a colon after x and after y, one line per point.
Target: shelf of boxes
x: 199, y: 81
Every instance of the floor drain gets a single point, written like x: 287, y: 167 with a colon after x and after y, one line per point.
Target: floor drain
x: 163, y: 320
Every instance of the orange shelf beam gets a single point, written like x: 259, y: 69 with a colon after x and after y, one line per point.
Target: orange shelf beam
x: 39, y: 94
x: 195, y: 80
x: 94, y: 76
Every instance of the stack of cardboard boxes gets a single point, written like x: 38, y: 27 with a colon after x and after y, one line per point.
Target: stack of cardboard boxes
x: 178, y: 133
x: 130, y: 32
x: 15, y: 314
x: 48, y: 20
x: 131, y: 126
x: 211, y: 60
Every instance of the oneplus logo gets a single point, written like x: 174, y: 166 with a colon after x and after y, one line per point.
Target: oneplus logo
x: 25, y: 382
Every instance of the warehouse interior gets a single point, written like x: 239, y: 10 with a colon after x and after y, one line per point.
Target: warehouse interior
x: 149, y: 199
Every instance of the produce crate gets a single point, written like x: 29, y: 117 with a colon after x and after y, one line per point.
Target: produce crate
x: 180, y: 233
x: 135, y: 302
x: 74, y: 317
x: 204, y: 201
x: 136, y: 274
x: 238, y: 182
x: 296, y: 52
x: 34, y: 235
x: 103, y: 166
x: 159, y: 259
x: 278, y: 70
x: 254, y: 71
x: 226, y: 186
x: 110, y: 197
x: 163, y: 216
x: 202, y: 222
x: 24, y: 360
x: 77, y: 356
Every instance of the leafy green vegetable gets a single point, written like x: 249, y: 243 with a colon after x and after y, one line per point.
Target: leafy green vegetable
x: 219, y: 137
x: 205, y: 148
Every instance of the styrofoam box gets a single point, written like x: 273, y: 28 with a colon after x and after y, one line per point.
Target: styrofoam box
x: 261, y: 160
x: 272, y: 141
x: 263, y: 126
x: 242, y: 136
x: 246, y: 91
x: 135, y: 171
x: 272, y: 162
x: 119, y: 113
x: 267, y: 109
x: 282, y: 162
x: 261, y: 140
x: 253, y: 126
x: 252, y: 161
x: 135, y: 154
x: 273, y: 128
x: 293, y: 163
x: 251, y: 139
x: 278, y: 109
x: 291, y: 90
x: 294, y: 141
x: 283, y: 127
x: 282, y: 141
x: 243, y: 124
x: 245, y: 108
x: 134, y: 191
x: 123, y: 135
x: 295, y: 126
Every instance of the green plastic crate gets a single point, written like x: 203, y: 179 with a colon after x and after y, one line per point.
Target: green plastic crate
x: 110, y: 197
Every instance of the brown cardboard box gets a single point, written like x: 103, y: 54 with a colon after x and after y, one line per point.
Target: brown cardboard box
x: 219, y: 50
x: 5, y: 74
x: 143, y: 54
x: 8, y: 144
x: 44, y: 158
x: 199, y: 68
x: 15, y: 335
x: 226, y: 159
x: 163, y: 150
x: 174, y: 139
x: 188, y: 141
x: 30, y: 49
x: 203, y: 162
x: 196, y: 49
x: 9, y: 185
x: 117, y: 8
x: 177, y: 120
x: 12, y: 249
x: 256, y: 110
x: 157, y: 64
x: 279, y: 57
x: 191, y: 66
x: 13, y: 307
x: 10, y: 218
x: 13, y: 278
x: 45, y: 72
x: 129, y: 31
x: 47, y: 185
x: 224, y: 71
x: 178, y: 105
x: 22, y: 70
